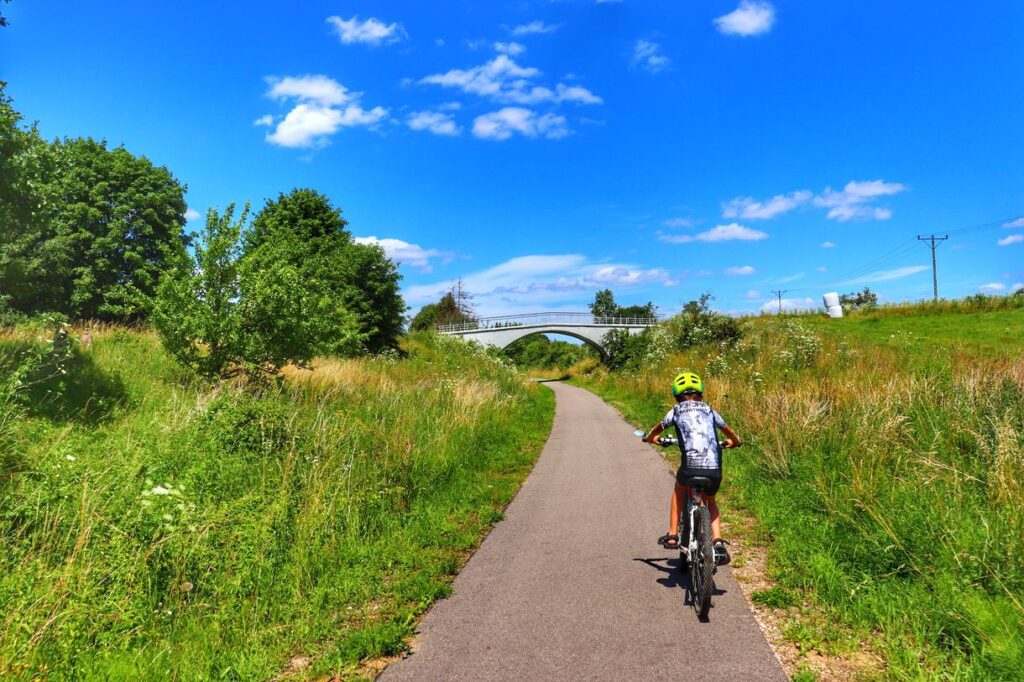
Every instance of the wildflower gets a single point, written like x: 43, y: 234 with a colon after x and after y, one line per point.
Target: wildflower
x: 70, y: 458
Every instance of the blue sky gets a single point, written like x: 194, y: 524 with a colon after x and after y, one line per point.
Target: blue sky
x: 542, y: 150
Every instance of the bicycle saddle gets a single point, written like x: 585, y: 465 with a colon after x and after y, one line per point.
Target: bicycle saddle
x: 697, y: 481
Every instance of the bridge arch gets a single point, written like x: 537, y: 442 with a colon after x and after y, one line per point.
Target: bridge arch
x: 525, y: 332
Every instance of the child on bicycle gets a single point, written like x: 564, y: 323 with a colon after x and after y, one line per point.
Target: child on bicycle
x: 695, y: 422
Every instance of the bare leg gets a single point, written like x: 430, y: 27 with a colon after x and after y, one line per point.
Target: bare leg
x: 716, y: 524
x: 678, y: 499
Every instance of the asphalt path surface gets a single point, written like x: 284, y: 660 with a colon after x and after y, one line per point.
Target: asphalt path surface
x: 572, y: 585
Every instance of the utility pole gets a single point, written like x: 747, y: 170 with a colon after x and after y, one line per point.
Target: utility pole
x: 932, y: 243
x: 780, y: 292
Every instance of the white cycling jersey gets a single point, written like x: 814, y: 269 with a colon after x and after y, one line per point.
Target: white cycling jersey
x: 695, y: 422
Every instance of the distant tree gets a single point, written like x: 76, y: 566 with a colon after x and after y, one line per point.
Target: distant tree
x: 445, y: 311
x: 604, y: 304
x: 3, y: 21
x: 425, y: 319
x: 303, y: 228
x: 859, y: 300
x: 646, y: 310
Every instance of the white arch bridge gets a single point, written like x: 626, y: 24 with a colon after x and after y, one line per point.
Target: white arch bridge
x: 502, y: 331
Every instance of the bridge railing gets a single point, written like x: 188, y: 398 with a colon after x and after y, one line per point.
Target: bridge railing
x: 506, y: 321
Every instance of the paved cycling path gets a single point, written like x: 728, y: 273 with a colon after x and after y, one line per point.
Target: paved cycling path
x: 571, y: 585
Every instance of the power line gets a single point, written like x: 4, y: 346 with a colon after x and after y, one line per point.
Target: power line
x: 935, y: 277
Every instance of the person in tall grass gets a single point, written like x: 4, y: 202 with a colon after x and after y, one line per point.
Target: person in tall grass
x: 696, y: 423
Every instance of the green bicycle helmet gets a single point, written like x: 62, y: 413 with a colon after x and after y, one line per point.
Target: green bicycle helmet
x: 687, y: 382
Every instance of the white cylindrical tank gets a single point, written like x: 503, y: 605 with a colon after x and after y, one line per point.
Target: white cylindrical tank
x: 831, y: 299
x: 835, y: 311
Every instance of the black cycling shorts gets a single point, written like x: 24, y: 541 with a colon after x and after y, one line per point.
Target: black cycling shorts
x: 715, y: 475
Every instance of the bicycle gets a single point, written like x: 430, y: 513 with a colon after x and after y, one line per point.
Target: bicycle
x: 698, y: 554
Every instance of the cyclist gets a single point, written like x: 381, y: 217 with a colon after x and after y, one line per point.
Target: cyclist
x: 695, y: 422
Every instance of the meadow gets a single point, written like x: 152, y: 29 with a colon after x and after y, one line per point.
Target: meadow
x: 155, y: 526
x: 884, y: 463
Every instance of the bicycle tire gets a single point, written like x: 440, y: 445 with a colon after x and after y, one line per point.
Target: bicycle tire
x: 702, y: 566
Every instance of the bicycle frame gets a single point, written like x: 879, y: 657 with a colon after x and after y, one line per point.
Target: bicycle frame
x: 686, y: 526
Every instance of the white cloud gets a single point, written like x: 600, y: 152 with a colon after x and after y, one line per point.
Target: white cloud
x: 1019, y: 286
x: 992, y: 288
x: 502, y: 124
x: 749, y: 19
x: 405, y: 253
x: 678, y: 222
x: 886, y: 275
x: 740, y: 270
x: 534, y: 27
x: 265, y: 120
x: 192, y: 214
x: 319, y: 89
x: 324, y: 106
x: 1017, y: 222
x: 790, y: 304
x: 852, y: 202
x: 828, y: 245
x: 719, y: 233
x: 1012, y: 239
x: 648, y: 55
x: 370, y: 32
x: 435, y: 122
x: 503, y: 80
x: 752, y: 295
x: 526, y: 282
x: 748, y: 208
x: 510, y: 48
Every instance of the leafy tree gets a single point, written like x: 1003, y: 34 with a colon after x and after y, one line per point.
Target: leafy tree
x: 3, y: 21
x: 108, y: 225
x: 425, y: 319
x: 859, y: 300
x: 625, y: 350
x: 445, y: 311
x: 538, y: 351
x: 305, y: 230
x: 604, y: 304
x: 24, y: 159
x: 221, y: 314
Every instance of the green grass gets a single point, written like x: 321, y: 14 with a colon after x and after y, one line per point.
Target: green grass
x: 885, y: 459
x: 154, y: 527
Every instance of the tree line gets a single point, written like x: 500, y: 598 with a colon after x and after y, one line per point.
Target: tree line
x: 93, y: 232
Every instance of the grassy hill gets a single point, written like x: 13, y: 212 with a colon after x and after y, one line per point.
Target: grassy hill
x: 154, y: 527
x: 885, y: 461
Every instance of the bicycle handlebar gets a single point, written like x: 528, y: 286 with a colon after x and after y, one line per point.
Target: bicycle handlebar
x: 666, y: 441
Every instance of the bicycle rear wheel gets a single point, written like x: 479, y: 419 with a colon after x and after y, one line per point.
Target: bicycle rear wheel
x: 702, y: 564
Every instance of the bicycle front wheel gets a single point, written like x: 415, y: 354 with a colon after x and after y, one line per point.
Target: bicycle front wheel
x: 702, y: 563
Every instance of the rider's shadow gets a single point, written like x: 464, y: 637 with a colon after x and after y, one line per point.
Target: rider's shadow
x: 675, y: 576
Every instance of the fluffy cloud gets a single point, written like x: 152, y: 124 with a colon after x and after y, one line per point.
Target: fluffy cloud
x: 1012, y: 239
x: 749, y: 19
x: 790, y: 304
x: 503, y: 80
x: 1018, y: 222
x: 828, y: 245
x: 1019, y: 286
x: 525, y: 282
x: 502, y: 124
x: 370, y: 32
x: 405, y: 253
x: 433, y: 121
x: 886, y: 275
x: 534, y: 27
x: 992, y: 288
x: 509, y: 48
x: 265, y: 120
x: 748, y: 208
x: 740, y: 270
x: 323, y: 107
x: 719, y: 233
x: 192, y: 214
x: 852, y: 202
x: 648, y: 55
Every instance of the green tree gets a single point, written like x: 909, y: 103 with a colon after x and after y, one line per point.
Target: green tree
x: 305, y: 230
x: 24, y: 161
x: 859, y: 300
x: 604, y: 304
x: 108, y: 224
x: 425, y: 319
x: 221, y: 314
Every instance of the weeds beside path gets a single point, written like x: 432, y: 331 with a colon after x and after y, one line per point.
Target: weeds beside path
x: 156, y: 528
